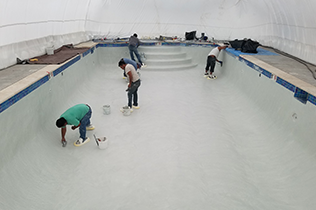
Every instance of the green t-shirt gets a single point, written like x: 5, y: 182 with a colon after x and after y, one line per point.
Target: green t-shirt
x: 74, y: 114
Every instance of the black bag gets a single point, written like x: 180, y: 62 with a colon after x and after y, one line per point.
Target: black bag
x: 237, y: 44
x: 190, y: 35
x: 250, y: 46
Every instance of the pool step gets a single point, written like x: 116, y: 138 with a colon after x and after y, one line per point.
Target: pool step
x: 160, y: 49
x: 171, y: 67
x: 164, y: 58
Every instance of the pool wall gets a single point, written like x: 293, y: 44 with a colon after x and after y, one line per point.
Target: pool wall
x: 28, y: 113
x: 23, y: 114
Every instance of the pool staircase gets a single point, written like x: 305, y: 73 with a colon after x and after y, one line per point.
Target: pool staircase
x: 165, y: 58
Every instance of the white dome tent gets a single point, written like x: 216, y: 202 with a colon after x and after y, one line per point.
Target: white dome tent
x: 27, y: 27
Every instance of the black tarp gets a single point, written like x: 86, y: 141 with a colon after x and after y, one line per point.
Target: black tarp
x: 245, y: 45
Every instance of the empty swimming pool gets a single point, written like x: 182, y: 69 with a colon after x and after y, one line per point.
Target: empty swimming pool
x: 241, y: 141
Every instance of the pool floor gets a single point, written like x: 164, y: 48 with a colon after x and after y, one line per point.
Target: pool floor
x: 193, y: 144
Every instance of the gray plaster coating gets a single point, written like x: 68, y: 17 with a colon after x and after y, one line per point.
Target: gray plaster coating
x: 13, y: 74
x: 238, y: 142
x: 291, y: 66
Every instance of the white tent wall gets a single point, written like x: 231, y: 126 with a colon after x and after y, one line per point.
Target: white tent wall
x: 35, y: 47
x: 293, y: 28
x: 27, y: 27
x: 149, y: 18
x: 287, y: 25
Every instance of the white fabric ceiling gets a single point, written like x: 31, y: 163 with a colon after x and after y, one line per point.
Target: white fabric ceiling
x: 27, y: 27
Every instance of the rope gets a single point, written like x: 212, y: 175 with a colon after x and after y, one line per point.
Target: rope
x: 305, y: 63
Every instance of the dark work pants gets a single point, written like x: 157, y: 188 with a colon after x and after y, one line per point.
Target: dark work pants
x: 85, y: 121
x: 132, y: 94
x: 210, y: 63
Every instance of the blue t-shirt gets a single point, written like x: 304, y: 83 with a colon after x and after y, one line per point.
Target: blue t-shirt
x: 129, y: 61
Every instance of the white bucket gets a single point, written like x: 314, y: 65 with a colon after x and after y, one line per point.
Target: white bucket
x: 103, y: 142
x: 106, y: 109
x: 126, y: 111
x: 49, y: 51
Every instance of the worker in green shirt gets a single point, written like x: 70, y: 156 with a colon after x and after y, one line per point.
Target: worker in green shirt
x: 77, y: 116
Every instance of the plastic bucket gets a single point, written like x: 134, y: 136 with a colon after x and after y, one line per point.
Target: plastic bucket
x: 50, y: 51
x: 106, y: 109
x: 126, y: 111
x: 103, y: 143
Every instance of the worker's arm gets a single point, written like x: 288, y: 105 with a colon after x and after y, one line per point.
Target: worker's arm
x: 130, y: 76
x: 63, y: 133
x: 74, y: 127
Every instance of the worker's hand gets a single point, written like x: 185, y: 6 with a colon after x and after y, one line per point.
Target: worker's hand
x: 221, y: 62
x: 63, y: 142
x: 128, y: 87
x: 73, y: 127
